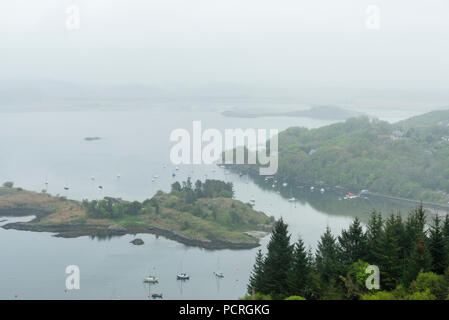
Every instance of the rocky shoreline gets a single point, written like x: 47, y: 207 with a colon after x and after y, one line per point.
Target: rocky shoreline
x: 69, y: 219
x: 74, y: 230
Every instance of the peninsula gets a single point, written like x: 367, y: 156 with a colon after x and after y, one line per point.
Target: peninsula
x: 204, y: 215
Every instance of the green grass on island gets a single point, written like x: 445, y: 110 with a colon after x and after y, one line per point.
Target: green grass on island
x: 205, y: 211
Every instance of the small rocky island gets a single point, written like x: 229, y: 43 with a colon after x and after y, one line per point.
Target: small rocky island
x: 137, y: 242
x: 204, y: 215
x: 92, y: 138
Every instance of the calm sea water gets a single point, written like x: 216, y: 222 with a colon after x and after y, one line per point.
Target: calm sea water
x: 50, y: 146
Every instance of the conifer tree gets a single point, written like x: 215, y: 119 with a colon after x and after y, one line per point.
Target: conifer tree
x: 278, y: 261
x: 418, y: 261
x: 256, y: 278
x: 299, y: 277
x: 389, y: 252
x: 446, y: 229
x: 353, y: 244
x: 414, y: 228
x: 374, y: 230
x: 437, y: 246
x: 327, y: 258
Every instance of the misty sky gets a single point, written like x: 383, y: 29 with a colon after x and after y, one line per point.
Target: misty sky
x: 282, y: 43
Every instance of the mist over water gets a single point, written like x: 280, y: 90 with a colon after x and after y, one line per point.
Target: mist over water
x: 130, y: 72
x: 113, y: 268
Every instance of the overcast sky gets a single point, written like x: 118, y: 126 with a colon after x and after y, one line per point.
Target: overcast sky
x: 282, y: 43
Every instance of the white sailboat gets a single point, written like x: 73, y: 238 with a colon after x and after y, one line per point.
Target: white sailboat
x: 151, y: 279
x: 182, y: 275
x: 218, y: 273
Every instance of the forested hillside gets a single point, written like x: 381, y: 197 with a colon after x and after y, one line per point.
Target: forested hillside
x: 412, y: 260
x: 409, y: 159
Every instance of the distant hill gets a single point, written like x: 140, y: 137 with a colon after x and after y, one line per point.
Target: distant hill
x: 438, y: 117
x: 408, y: 159
x: 320, y: 112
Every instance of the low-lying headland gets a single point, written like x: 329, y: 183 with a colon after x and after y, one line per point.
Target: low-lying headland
x: 204, y: 216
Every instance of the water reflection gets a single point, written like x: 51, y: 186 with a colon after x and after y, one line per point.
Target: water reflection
x: 112, y: 267
x: 331, y: 201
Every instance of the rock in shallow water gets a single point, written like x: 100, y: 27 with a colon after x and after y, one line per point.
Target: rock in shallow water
x: 137, y: 242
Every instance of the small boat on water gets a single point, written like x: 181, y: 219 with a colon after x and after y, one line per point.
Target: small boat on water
x: 350, y: 196
x: 156, y: 295
x: 182, y: 276
x: 285, y: 184
x: 322, y: 190
x: 151, y: 279
x: 218, y: 273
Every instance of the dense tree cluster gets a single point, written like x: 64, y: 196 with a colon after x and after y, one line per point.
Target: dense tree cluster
x: 8, y: 184
x: 111, y: 208
x: 184, y: 196
x: 412, y: 259
x: 207, y: 189
x: 406, y: 159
